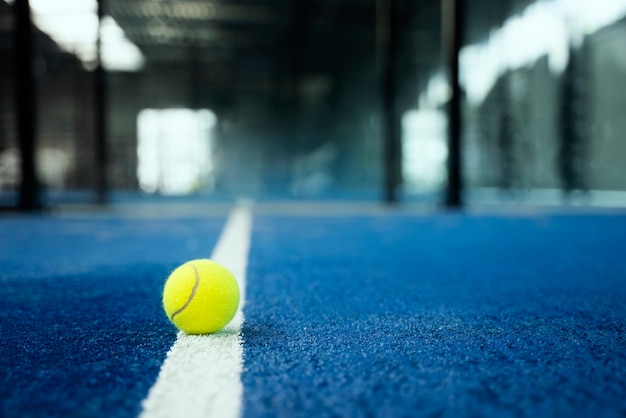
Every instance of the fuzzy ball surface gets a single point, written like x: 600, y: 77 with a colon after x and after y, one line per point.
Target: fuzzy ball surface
x: 201, y: 297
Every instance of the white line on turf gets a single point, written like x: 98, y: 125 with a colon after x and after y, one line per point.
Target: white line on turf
x: 201, y: 375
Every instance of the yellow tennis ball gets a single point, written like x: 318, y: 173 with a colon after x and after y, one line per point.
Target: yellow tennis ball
x: 201, y: 297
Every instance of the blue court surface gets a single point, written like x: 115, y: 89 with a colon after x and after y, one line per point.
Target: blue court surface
x: 380, y: 313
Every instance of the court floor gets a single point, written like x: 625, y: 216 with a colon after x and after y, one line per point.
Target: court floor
x: 350, y: 310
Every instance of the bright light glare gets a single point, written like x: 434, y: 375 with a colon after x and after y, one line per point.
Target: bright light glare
x: 437, y: 91
x: 174, y: 150
x: 424, y: 149
x: 73, y: 25
x: 592, y: 15
x: 118, y: 53
x: 544, y: 28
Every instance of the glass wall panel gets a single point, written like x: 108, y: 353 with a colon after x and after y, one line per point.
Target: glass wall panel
x: 544, y: 99
x: 299, y: 107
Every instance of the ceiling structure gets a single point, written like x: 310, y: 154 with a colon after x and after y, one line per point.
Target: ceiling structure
x: 294, y: 39
x: 162, y: 29
x: 298, y: 36
x: 276, y: 24
x: 291, y: 40
x: 307, y: 33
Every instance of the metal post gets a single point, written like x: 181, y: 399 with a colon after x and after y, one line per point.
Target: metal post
x: 387, y: 46
x: 100, y: 109
x: 29, y: 191
x: 452, y: 25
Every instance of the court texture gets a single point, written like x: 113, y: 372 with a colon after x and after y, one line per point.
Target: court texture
x: 348, y: 311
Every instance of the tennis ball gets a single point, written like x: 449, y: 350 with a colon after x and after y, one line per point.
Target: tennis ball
x: 201, y: 297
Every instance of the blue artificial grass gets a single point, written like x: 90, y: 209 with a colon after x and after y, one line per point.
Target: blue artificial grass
x: 83, y: 332
x: 447, y: 315
x: 394, y: 315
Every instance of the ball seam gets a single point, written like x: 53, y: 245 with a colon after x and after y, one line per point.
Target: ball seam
x: 191, y: 296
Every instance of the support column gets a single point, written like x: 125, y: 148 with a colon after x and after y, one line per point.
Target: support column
x: 25, y: 96
x: 387, y: 52
x: 452, y: 25
x: 100, y: 108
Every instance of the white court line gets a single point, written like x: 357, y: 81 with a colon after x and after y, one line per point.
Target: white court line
x: 201, y: 375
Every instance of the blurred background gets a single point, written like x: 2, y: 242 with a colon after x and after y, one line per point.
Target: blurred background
x: 125, y: 100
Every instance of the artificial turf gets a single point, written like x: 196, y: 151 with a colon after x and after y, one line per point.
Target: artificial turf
x: 83, y: 331
x: 446, y: 315
x: 378, y: 315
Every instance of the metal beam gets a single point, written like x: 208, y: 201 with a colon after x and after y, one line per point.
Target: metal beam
x: 25, y: 90
x: 387, y: 50
x: 452, y: 26
x: 100, y: 109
